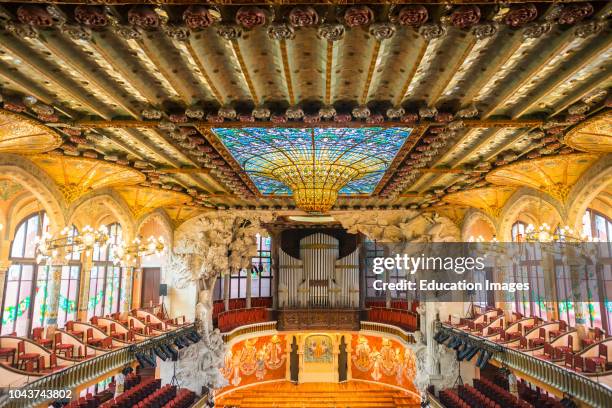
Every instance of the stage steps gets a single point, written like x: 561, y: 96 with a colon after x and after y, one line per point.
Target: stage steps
x: 315, y: 395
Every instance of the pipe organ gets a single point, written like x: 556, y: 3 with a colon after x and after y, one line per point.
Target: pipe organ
x: 318, y: 279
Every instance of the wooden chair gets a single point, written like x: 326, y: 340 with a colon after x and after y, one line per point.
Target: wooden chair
x: 91, y: 340
x: 62, y: 348
x: 6, y: 353
x: 37, y: 336
x: 23, y: 357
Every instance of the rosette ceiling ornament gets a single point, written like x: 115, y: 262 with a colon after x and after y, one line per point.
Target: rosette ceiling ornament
x: 314, y: 165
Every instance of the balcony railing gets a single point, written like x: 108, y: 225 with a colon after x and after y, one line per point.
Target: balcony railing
x: 405, y: 336
x: 88, y: 370
x: 249, y: 329
x: 565, y: 381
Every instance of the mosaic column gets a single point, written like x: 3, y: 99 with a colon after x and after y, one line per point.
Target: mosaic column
x: 576, y: 272
x: 550, y: 289
x: 127, y: 291
x: 84, y: 293
x: 53, y: 292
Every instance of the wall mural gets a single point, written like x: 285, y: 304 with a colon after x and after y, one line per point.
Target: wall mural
x: 383, y: 360
x: 318, y: 349
x: 254, y: 359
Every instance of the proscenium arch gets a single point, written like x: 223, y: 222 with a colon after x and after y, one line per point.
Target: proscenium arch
x: 39, y: 184
x: 517, y: 203
x: 595, y: 180
x: 114, y: 205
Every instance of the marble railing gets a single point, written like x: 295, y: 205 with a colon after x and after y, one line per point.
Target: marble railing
x: 88, y: 370
x: 558, y: 379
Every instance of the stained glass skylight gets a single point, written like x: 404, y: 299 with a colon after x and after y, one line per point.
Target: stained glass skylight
x: 264, y: 152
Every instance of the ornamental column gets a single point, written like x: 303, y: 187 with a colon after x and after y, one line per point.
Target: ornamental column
x: 249, y: 286
x: 226, y: 291
x: 53, y: 292
x: 550, y: 287
x: 275, y: 236
x: 127, y: 291
x: 84, y: 292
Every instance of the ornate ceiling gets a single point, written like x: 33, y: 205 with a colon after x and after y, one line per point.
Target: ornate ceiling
x: 163, y: 88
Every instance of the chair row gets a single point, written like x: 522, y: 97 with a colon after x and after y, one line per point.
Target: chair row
x: 184, y: 398
x: 240, y: 317
x: 159, y: 398
x: 402, y: 318
x: 134, y: 395
x: 219, y: 305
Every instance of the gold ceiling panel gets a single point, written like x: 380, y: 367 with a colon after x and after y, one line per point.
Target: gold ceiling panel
x: 490, y: 200
x: 182, y: 212
x: 593, y: 136
x: 76, y: 176
x: 19, y: 134
x: 142, y: 200
x: 554, y: 175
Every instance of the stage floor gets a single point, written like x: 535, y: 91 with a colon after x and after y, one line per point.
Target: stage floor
x: 353, y: 394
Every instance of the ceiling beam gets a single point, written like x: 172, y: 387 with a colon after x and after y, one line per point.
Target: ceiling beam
x: 235, y: 46
x: 42, y: 67
x: 287, y: 71
x: 197, y: 59
x: 329, y: 71
x: 442, y: 82
x: 415, y: 66
x: 469, y: 123
x: 580, y: 60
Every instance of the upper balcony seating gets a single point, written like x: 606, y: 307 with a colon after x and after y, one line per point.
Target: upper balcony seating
x: 219, y: 305
x: 235, y: 318
x: 562, y: 329
x: 402, y: 318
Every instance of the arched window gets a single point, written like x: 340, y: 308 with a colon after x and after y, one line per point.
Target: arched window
x: 105, y: 287
x: 69, y: 285
x: 529, y: 269
x: 261, y: 275
x: 598, y: 225
x: 24, y: 303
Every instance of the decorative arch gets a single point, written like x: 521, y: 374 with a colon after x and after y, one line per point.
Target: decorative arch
x: 595, y: 180
x: 37, y: 182
x: 471, y: 218
x: 517, y: 205
x: 164, y: 221
x: 112, y: 205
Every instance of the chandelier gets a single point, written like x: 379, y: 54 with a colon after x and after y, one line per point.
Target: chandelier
x: 544, y: 234
x: 125, y: 254
x: 315, y: 185
x: 314, y: 165
x: 73, y: 243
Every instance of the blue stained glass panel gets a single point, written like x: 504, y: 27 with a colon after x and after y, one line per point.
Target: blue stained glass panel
x: 260, y: 151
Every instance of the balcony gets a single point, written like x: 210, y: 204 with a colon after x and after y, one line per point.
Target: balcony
x: 545, y: 374
x: 87, y: 371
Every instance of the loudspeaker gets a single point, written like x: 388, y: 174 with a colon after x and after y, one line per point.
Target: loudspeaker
x: 163, y: 289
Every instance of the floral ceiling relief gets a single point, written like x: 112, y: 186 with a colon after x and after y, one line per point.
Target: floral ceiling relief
x: 8, y: 189
x: 254, y: 360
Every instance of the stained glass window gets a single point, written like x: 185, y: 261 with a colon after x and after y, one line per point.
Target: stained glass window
x: 105, y: 286
x: 26, y: 284
x: 264, y: 152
